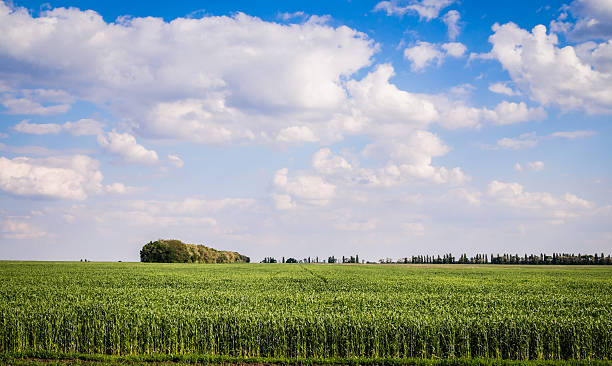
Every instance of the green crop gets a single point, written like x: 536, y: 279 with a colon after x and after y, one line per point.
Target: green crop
x: 307, y: 311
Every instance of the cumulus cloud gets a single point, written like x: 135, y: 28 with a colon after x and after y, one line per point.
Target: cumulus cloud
x: 247, y: 80
x: 288, y: 16
x: 454, y: 49
x: 57, y: 177
x: 27, y: 106
x: 536, y: 166
x: 592, y: 20
x: 41, y: 102
x: 551, y: 75
x: 573, y: 134
x: 19, y: 228
x: 531, y: 139
x: 176, y: 161
x: 303, y: 188
x: 414, y: 228
x: 82, y: 127
x: 426, y: 9
x: 425, y: 53
x: 325, y: 162
x: 502, y: 88
x: 508, y: 113
x: 190, y: 206
x: 457, y: 114
x: 411, y: 158
x: 378, y: 101
x: 296, y: 134
x: 125, y: 146
x: 513, y: 195
x: 37, y: 128
x: 119, y: 188
x: 525, y: 140
x: 451, y: 19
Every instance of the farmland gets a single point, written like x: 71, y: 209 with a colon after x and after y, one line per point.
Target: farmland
x: 303, y: 311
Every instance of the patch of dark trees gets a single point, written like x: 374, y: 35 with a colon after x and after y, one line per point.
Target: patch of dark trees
x: 175, y: 251
x: 535, y: 259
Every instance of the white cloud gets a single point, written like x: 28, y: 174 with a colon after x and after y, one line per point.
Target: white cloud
x: 549, y: 74
x: 176, y: 161
x: 325, y: 162
x: 502, y: 88
x: 365, y: 225
x: 283, y: 201
x: 558, y: 209
x: 593, y: 20
x: 577, y: 201
x: 288, y: 16
x: 296, y: 134
x: 462, y: 90
x: 525, y: 140
x: 347, y: 220
x: 84, y: 127
x: 380, y: 108
x: 58, y: 177
x: 597, y: 55
x: 457, y: 114
x: 573, y: 134
x: 425, y: 53
x: 118, y: 188
x: 246, y: 80
x: 125, y: 146
x: 189, y: 206
x: 508, y: 113
x: 81, y: 127
x: 518, y: 167
x: 463, y: 195
x: 193, y: 120
x: 414, y: 228
x: 426, y: 9
x: 531, y: 139
x: 454, y: 49
x: 303, y: 188
x: 451, y: 19
x: 19, y: 228
x: 34, y: 101
x: 536, y: 166
x: 411, y: 157
x: 37, y: 128
x: 27, y: 106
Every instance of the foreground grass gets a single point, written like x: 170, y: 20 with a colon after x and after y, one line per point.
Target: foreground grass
x: 50, y: 358
x: 308, y: 312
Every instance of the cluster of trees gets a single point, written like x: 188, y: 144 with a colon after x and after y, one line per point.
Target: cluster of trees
x: 555, y: 258
x: 175, y: 251
x: 331, y: 259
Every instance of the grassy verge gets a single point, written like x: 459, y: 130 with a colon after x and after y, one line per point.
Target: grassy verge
x: 49, y: 359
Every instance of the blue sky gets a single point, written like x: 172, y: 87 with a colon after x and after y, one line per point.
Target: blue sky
x: 387, y: 129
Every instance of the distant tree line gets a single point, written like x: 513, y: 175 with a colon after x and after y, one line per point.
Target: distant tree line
x: 331, y: 259
x: 175, y: 251
x: 555, y: 258
x: 542, y: 259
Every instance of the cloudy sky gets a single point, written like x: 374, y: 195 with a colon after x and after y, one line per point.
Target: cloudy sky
x: 305, y: 128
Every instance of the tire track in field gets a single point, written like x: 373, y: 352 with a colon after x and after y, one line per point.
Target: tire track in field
x: 314, y: 274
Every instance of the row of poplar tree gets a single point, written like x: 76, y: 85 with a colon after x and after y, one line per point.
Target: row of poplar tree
x: 542, y: 258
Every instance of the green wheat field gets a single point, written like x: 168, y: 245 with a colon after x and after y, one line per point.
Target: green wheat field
x: 349, y: 314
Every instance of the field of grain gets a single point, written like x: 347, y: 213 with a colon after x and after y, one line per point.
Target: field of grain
x: 307, y: 310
